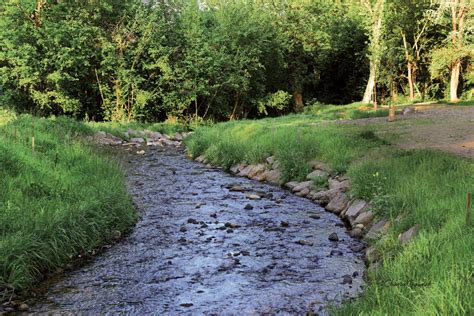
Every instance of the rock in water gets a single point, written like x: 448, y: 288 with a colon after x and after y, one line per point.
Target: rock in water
x: 333, y: 237
x: 248, y: 207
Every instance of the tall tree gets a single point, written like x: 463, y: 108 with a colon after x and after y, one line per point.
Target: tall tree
x: 374, y: 10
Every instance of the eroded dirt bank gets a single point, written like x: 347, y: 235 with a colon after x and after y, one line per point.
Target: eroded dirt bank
x: 212, y: 243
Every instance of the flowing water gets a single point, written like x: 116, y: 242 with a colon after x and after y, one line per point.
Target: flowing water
x: 201, y: 247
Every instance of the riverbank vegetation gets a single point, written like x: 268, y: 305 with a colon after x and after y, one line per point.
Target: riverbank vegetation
x: 432, y: 274
x: 58, y: 202
x: 220, y: 60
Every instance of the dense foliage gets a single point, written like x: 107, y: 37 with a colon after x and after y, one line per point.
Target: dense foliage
x: 150, y: 60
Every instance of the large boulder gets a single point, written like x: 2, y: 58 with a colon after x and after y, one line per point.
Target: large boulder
x: 290, y: 185
x: 340, y: 184
x: 355, y: 208
x: 364, y: 218
x: 338, y: 203
x: 302, y: 185
x: 273, y: 176
x: 377, y: 229
x: 256, y: 170
x: 324, y: 196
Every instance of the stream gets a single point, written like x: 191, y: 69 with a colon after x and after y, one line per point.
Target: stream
x: 211, y: 243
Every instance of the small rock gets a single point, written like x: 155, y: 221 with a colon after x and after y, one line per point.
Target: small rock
x: 192, y: 221
x: 355, y: 208
x: 377, y: 229
x: 23, y: 307
x: 364, y: 218
x: 357, y: 247
x: 230, y: 225
x: 183, y: 229
x: 141, y: 152
x: 253, y: 197
x: 284, y: 224
x: 178, y: 137
x: 213, y: 215
x: 335, y: 253
x: 356, y: 233
x: 290, y: 185
x: 229, y: 231
x: 340, y: 185
x: 186, y: 304
x: 248, y: 207
x: 304, y: 242
x: 407, y: 236
x: 273, y: 176
x: 333, y: 237
x: 237, y: 188
x: 302, y: 185
x: 270, y: 160
x: 346, y: 279
x: 303, y: 192
x: 137, y: 140
x: 256, y: 170
x: 314, y: 216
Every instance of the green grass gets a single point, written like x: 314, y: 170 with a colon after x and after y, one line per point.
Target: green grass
x: 433, y: 275
x: 61, y: 201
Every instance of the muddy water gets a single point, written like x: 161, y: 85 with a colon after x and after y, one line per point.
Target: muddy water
x: 201, y: 248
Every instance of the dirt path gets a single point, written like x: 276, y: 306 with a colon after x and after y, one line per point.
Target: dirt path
x: 442, y: 127
x: 203, y: 248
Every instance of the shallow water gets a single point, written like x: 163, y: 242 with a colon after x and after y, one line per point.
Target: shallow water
x: 197, y: 249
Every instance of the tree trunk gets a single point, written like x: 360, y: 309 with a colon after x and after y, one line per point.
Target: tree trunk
x: 453, y: 90
x: 369, y: 90
x: 298, y: 96
x: 411, y: 81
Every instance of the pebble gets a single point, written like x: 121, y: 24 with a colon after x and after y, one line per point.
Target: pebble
x: 304, y: 242
x: 23, y: 307
x: 346, y: 279
x: 335, y: 253
x: 357, y: 247
x: 248, y: 207
x: 284, y: 224
x: 253, y: 197
x: 333, y: 237
x: 192, y: 221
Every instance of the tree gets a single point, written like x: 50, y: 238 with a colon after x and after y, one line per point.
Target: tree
x: 374, y: 10
x: 459, y: 48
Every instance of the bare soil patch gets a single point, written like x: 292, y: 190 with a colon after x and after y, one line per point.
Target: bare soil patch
x: 443, y: 127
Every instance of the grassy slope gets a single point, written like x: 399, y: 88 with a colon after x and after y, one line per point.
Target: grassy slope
x: 431, y: 275
x: 62, y: 201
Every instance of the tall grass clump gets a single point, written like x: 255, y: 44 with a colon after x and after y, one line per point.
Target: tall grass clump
x: 59, y: 201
